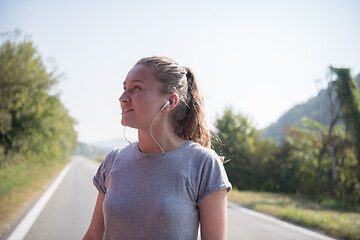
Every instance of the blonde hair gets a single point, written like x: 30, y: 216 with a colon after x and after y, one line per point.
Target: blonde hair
x: 188, y: 117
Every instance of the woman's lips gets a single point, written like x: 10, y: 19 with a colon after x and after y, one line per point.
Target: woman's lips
x: 127, y: 110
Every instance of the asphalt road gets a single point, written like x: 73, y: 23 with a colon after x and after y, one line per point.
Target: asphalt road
x: 68, y: 213
x: 247, y: 224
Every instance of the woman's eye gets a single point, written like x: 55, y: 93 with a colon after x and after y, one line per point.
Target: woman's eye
x: 137, y: 87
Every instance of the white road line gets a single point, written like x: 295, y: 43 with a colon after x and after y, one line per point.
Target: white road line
x: 279, y: 222
x: 22, y: 229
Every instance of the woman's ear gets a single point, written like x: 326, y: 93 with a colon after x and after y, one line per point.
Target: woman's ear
x: 174, y: 100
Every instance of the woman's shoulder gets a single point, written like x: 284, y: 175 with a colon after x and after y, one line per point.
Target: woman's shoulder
x: 205, y: 153
x: 120, y: 150
x: 115, y: 153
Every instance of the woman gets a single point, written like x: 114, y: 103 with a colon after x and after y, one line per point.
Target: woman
x: 170, y: 180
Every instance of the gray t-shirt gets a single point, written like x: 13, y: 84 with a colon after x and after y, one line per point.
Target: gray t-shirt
x: 156, y: 196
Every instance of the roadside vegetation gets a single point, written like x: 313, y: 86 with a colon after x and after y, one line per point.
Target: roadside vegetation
x: 36, y: 132
x: 326, y: 215
x: 318, y: 161
x: 20, y: 185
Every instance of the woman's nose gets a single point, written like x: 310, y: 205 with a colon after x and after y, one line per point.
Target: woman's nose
x: 124, y: 97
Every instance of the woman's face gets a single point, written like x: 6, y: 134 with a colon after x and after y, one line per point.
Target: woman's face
x: 141, y: 99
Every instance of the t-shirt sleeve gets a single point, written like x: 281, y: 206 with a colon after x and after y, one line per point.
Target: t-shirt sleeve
x: 102, y: 173
x: 213, y: 178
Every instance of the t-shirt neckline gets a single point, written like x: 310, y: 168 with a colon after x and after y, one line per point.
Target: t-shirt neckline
x: 153, y: 155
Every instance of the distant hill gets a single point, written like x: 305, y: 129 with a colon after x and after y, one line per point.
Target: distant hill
x: 109, y: 144
x: 314, y: 108
x: 96, y: 149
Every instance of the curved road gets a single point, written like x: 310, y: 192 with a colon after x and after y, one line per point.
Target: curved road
x: 68, y: 212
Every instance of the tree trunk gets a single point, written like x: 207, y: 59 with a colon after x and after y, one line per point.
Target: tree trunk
x: 319, y: 173
x: 333, y: 164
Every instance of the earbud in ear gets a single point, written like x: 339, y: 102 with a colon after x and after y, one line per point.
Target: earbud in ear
x: 167, y: 103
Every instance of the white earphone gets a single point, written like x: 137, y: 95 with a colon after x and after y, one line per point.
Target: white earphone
x: 151, y: 133
x: 167, y: 103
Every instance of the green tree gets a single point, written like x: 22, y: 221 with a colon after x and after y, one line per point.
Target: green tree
x: 33, y: 123
x: 310, y: 145
x: 237, y: 144
x: 254, y: 163
x: 275, y: 168
x: 349, y: 100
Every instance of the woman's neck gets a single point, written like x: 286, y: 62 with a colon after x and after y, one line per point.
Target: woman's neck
x: 167, y: 139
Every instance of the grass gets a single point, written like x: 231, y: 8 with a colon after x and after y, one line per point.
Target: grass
x: 337, y: 219
x: 20, y: 185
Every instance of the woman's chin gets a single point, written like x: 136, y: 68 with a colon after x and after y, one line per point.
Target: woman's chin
x: 124, y: 123
x: 127, y: 124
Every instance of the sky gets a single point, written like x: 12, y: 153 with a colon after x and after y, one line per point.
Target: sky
x: 258, y: 57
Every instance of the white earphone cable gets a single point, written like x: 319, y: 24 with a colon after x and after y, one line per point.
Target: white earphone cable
x: 152, y: 123
x: 128, y: 140
x: 151, y: 133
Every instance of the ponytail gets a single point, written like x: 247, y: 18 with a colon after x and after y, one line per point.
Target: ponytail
x: 193, y: 126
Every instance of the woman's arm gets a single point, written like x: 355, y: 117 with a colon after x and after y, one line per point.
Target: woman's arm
x: 96, y: 229
x: 213, y: 213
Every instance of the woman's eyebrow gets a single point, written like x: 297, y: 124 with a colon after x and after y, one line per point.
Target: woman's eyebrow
x: 134, y: 81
